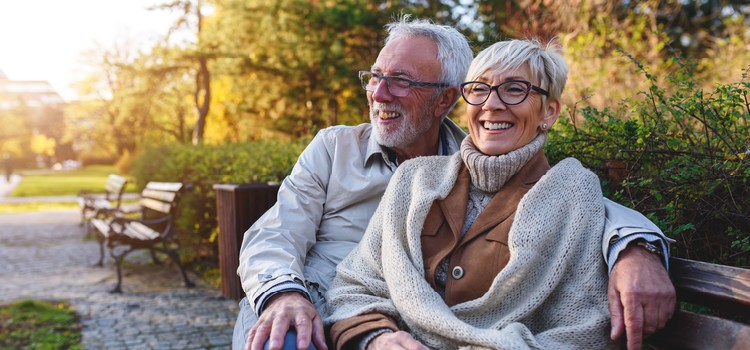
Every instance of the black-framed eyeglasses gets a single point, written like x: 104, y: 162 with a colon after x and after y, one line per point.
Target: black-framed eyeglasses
x: 397, y: 86
x: 511, y: 92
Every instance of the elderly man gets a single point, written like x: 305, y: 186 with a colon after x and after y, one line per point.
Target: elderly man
x: 289, y: 256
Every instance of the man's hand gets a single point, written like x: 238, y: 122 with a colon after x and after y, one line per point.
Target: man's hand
x: 641, y: 296
x: 396, y: 341
x: 283, y: 311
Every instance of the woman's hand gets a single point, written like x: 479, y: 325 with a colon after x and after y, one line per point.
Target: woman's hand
x: 395, y: 341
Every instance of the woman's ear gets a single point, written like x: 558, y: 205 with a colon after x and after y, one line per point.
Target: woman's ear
x: 445, y: 101
x: 551, y: 112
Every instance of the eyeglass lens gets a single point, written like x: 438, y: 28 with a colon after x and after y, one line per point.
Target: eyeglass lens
x: 396, y: 86
x: 509, y: 92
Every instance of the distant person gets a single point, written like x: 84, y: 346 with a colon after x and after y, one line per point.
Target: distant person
x: 8, y: 167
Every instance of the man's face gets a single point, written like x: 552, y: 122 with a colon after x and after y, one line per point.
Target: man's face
x: 400, y: 122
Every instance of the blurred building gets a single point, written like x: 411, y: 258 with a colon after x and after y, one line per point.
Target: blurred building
x: 31, y: 93
x: 32, y: 122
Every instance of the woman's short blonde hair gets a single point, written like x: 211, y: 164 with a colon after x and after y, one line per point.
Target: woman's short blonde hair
x: 545, y: 62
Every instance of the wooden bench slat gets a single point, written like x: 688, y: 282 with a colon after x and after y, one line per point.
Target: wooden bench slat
x: 712, y: 285
x: 165, y: 186
x: 156, y: 205
x: 115, y: 183
x: 103, y: 204
x: 140, y: 231
x: 689, y: 330
x: 101, y: 225
x: 160, y: 195
x: 94, y: 204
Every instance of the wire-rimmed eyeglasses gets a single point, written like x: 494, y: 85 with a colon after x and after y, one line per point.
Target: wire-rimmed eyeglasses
x: 397, y: 86
x: 511, y: 92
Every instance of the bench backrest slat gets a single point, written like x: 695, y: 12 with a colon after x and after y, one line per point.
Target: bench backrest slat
x: 115, y: 183
x: 115, y: 186
x: 165, y: 186
x: 718, y: 287
x: 712, y: 285
x: 155, y: 205
x: 161, y: 196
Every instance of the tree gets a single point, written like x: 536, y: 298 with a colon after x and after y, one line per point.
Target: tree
x: 192, y: 19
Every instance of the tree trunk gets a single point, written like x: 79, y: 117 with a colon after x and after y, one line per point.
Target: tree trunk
x: 202, y: 98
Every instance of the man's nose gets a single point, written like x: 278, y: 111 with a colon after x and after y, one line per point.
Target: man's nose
x: 381, y: 93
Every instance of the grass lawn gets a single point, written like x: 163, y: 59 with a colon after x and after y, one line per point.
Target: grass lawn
x: 34, y: 324
x: 60, y: 183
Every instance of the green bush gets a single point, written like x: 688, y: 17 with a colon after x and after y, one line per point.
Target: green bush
x: 685, y: 154
x: 202, y: 167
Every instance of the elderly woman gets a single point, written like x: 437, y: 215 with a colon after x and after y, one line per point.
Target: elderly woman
x: 489, y: 248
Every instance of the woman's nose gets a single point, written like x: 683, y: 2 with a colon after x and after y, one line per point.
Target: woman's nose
x: 493, y: 102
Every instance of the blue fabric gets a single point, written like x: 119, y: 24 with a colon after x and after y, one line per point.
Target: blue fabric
x: 290, y: 342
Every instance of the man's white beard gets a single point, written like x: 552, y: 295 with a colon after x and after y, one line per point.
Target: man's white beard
x: 406, y: 132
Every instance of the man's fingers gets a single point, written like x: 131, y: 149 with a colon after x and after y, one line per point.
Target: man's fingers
x: 304, y: 327
x: 650, y: 324
x: 318, y: 335
x: 634, y: 324
x: 258, y: 335
x: 615, y: 310
x: 278, y: 332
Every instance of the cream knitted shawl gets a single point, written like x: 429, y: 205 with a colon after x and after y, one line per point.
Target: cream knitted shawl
x: 551, y: 295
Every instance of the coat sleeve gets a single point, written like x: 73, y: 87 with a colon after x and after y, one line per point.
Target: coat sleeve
x: 622, y: 222
x: 274, y: 249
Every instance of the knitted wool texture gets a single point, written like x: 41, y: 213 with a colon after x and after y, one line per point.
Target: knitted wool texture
x: 489, y: 173
x: 551, y: 295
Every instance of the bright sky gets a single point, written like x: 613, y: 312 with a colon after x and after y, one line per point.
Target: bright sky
x: 43, y: 39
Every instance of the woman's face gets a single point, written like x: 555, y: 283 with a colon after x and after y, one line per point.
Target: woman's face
x: 497, y: 128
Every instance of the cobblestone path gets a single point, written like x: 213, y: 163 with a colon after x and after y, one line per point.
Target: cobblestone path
x: 46, y: 256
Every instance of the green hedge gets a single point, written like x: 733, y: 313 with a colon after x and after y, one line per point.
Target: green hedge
x: 685, y: 154
x: 202, y: 167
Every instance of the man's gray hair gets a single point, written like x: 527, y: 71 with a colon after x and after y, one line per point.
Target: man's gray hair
x: 453, y: 48
x: 546, y: 64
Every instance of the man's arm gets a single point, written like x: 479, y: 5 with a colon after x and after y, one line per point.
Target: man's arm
x: 641, y: 296
x: 274, y: 250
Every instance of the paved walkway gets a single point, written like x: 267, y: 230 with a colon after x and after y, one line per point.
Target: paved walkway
x: 47, y: 256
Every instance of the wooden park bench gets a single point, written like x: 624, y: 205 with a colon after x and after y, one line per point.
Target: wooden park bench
x: 93, y: 204
x: 724, y: 289
x: 153, y: 230
x: 721, y: 288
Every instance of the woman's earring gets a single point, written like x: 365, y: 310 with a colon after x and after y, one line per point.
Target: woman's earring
x: 544, y: 126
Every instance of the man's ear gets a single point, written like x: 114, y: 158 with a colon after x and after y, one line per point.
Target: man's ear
x: 445, y: 101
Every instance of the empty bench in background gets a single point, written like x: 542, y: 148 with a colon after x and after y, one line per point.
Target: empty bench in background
x: 154, y: 230
x: 96, y: 204
x: 721, y: 288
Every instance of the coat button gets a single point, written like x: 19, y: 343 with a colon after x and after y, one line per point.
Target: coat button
x: 457, y: 272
